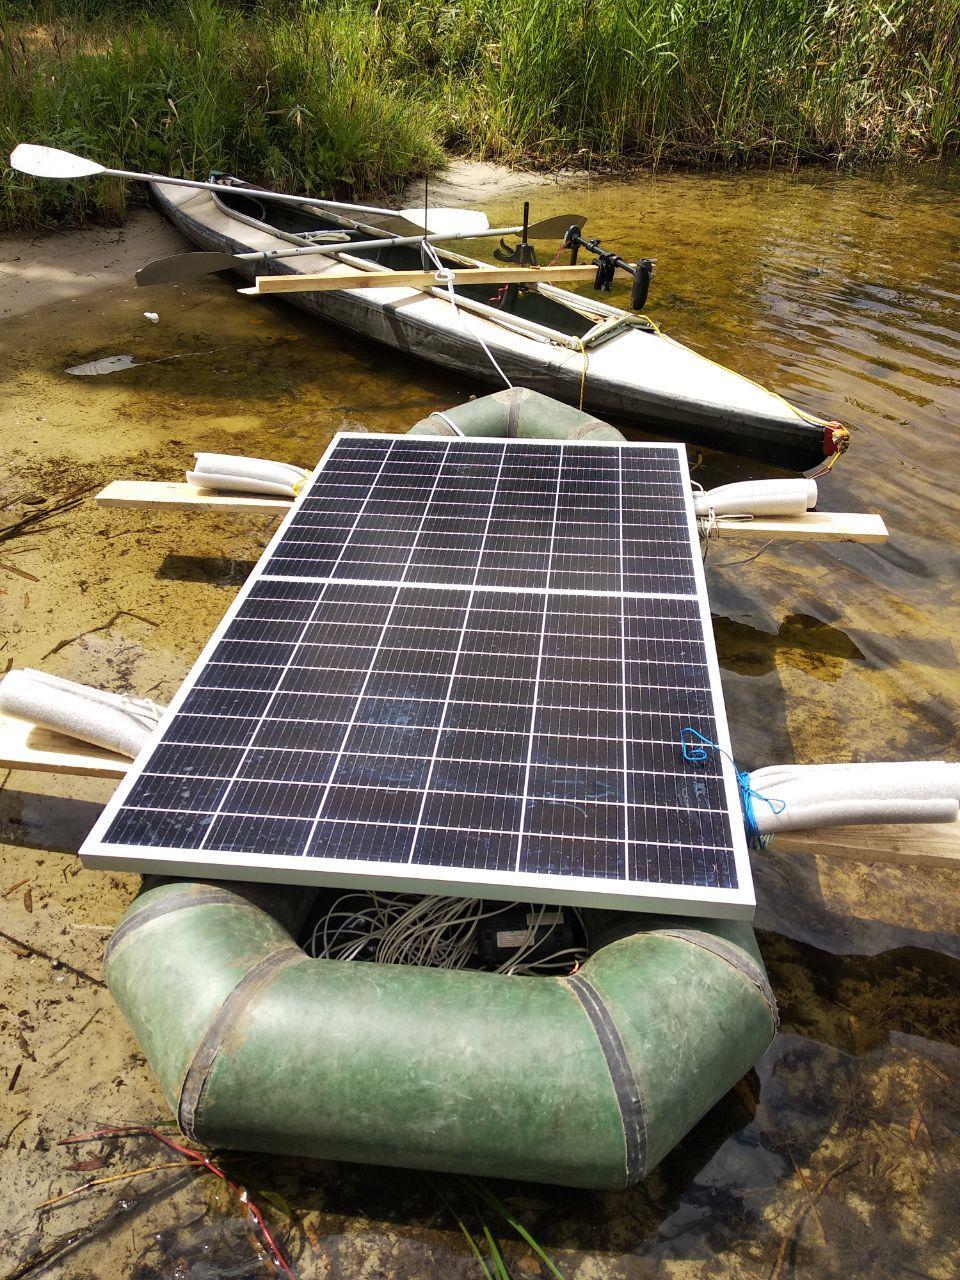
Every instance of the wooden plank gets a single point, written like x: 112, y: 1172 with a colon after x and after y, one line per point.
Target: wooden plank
x: 928, y: 844
x: 28, y: 746
x: 315, y: 283
x: 815, y: 526
x: 180, y: 496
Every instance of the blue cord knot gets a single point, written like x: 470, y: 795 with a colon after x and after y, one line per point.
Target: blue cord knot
x: 696, y: 748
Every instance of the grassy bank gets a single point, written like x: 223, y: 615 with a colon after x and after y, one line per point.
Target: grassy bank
x: 333, y: 96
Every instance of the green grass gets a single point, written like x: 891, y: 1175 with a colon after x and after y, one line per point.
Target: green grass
x: 338, y: 96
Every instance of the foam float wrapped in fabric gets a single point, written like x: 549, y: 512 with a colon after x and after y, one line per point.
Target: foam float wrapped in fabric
x: 586, y: 1080
x: 800, y: 797
x: 758, y: 498
x: 235, y: 474
x: 113, y: 721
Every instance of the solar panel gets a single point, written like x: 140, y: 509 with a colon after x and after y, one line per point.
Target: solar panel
x: 460, y: 665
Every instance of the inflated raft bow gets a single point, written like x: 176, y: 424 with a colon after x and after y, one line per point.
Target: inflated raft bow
x: 587, y: 1080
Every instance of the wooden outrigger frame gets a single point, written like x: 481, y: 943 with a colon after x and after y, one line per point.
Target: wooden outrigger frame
x: 30, y: 747
x: 814, y: 526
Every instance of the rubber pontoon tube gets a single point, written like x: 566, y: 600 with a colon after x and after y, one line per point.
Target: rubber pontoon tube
x: 236, y: 474
x: 114, y: 721
x: 758, y: 498
x: 587, y: 1080
x: 851, y: 794
x: 517, y: 413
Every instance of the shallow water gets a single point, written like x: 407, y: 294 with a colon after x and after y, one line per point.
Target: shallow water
x: 840, y: 1154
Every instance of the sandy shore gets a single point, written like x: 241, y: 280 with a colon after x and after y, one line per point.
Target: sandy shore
x: 478, y: 182
x: 36, y: 270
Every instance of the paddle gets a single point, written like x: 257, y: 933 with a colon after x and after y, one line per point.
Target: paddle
x: 181, y: 267
x: 50, y: 162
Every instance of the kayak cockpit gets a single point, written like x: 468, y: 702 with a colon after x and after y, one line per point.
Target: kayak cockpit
x: 298, y: 224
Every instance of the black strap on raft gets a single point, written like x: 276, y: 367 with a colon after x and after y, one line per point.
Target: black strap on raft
x: 607, y: 264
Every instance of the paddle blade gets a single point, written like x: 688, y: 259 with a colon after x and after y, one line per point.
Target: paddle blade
x: 442, y: 222
x: 181, y: 267
x: 555, y: 228
x: 49, y: 162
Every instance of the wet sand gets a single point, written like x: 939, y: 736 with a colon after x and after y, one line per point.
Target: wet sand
x: 840, y: 1154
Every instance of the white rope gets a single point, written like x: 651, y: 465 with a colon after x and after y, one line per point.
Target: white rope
x: 445, y: 277
x: 438, y: 413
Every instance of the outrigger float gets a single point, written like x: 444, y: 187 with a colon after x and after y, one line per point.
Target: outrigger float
x: 376, y: 273
x: 588, y: 1078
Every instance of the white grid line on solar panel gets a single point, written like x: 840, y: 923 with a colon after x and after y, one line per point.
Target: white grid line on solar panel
x: 387, y: 755
x: 464, y: 830
x: 272, y: 620
x: 488, y: 590
x: 429, y: 728
x: 453, y: 673
x: 518, y: 510
x: 427, y: 793
x: 412, y: 671
x: 360, y: 696
x: 563, y: 588
x: 350, y: 491
x: 525, y: 798
x: 520, y: 453
x: 521, y: 543
x: 582, y: 592
x: 666, y: 474
x: 330, y: 664
x: 410, y: 759
x: 527, y: 524
x: 410, y: 647
x: 574, y: 480
x: 453, y: 508
x: 624, y: 679
x: 527, y: 458
x: 385, y: 457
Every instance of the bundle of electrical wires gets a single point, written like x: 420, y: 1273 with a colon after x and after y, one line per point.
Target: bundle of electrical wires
x: 438, y: 932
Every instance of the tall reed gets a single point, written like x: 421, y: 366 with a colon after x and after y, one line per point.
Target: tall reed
x: 332, y: 96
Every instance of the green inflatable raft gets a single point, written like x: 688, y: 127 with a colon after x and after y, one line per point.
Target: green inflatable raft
x: 586, y: 1080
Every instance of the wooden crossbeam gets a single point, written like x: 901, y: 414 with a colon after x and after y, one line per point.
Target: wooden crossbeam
x: 321, y: 281
x: 180, y: 496
x: 29, y: 746
x: 922, y: 844
x: 815, y: 526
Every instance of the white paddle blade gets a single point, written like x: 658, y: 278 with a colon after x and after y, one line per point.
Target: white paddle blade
x: 49, y: 162
x: 449, y: 221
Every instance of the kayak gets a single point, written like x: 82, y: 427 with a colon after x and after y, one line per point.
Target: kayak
x: 575, y: 348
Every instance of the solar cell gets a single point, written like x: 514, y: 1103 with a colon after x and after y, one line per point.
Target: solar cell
x: 460, y: 665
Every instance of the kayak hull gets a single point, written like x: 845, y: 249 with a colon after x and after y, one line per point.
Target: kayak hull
x: 638, y: 376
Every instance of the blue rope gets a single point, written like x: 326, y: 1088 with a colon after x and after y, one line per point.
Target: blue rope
x: 696, y: 748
